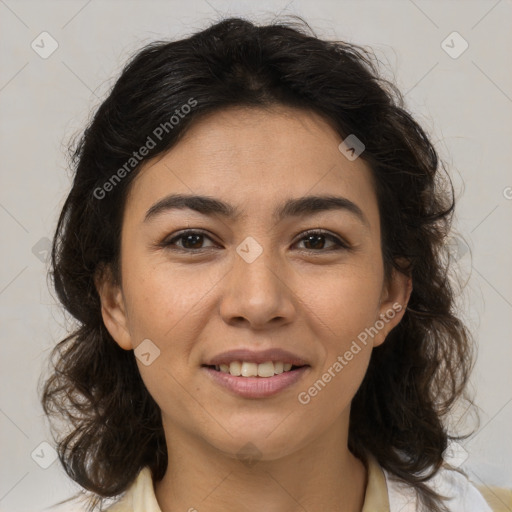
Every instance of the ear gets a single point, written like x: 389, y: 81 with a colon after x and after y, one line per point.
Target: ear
x: 394, y: 299
x: 112, y: 307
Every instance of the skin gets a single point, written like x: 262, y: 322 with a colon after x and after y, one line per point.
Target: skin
x: 296, y: 295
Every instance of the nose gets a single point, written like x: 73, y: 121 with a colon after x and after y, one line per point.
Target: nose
x: 257, y: 293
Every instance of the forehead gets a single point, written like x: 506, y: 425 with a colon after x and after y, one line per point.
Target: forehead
x: 253, y: 159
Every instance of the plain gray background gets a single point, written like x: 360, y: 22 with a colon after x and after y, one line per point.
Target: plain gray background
x: 464, y: 100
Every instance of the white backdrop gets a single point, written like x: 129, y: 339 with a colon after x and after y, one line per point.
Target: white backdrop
x: 462, y: 96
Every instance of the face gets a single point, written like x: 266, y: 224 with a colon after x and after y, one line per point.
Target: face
x: 258, y: 269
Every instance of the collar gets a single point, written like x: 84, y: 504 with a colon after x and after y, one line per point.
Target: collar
x: 140, y: 497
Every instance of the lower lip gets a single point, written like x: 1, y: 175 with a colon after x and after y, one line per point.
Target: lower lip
x: 256, y: 387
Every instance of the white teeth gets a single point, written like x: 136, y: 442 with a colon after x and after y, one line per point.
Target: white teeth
x: 245, y: 369
x: 249, y: 370
x: 266, y: 369
x: 278, y: 367
x: 235, y: 368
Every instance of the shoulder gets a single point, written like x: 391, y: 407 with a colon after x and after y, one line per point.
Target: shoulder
x: 462, y: 495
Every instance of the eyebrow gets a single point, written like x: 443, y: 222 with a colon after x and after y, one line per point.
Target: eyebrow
x: 296, y: 207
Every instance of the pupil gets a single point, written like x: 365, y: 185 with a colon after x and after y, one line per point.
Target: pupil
x: 311, y: 238
x: 188, y: 238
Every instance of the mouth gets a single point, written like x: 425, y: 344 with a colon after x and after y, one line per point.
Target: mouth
x: 252, y: 380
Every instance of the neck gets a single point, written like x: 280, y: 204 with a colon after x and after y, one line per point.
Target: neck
x: 323, y: 475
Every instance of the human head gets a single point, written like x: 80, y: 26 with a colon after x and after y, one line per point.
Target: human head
x: 237, y: 64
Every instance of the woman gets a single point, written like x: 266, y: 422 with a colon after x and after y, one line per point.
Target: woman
x: 253, y: 248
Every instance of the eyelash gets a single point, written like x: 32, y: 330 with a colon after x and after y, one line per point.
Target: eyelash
x: 338, y: 242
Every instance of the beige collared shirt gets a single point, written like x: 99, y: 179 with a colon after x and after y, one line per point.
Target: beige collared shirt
x: 140, y: 497
x: 382, y: 493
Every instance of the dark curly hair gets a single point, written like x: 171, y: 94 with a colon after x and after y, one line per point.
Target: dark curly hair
x: 413, y: 379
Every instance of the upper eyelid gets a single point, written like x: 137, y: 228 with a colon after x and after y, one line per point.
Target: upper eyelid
x: 185, y: 232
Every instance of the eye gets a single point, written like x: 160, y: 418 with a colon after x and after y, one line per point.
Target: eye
x: 316, y: 240
x: 190, y: 241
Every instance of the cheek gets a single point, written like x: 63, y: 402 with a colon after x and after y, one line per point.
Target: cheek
x: 346, y: 351
x: 162, y: 298
x: 331, y: 389
x: 345, y: 310
x: 167, y: 305
x: 344, y: 302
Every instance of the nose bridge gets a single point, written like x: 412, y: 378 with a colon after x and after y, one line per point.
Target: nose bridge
x: 255, y: 263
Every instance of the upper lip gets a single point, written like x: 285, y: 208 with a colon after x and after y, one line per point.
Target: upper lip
x: 251, y: 356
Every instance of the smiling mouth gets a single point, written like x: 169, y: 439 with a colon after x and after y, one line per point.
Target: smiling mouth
x: 249, y: 369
